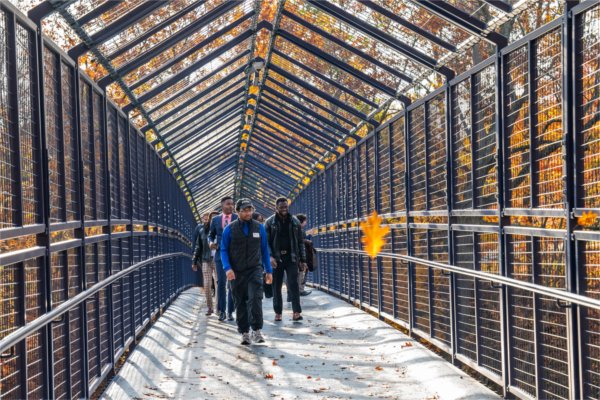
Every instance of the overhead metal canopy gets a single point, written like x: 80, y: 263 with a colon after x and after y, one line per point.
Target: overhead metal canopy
x: 247, y: 97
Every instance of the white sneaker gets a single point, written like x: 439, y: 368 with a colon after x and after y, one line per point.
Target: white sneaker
x: 246, y: 338
x: 257, y: 336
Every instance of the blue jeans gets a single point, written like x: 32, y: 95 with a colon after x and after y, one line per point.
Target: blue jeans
x: 223, y: 289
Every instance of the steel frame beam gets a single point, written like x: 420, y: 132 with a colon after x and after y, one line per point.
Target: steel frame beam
x: 302, y: 124
x: 224, y: 113
x: 292, y: 167
x: 268, y: 125
x: 157, y: 28
x: 259, y: 160
x: 269, y: 147
x: 409, y: 25
x: 199, y: 155
x: 253, y: 188
x: 191, y: 100
x: 343, y: 44
x: 268, y: 182
x: 500, y: 5
x: 98, y: 11
x: 293, y: 129
x: 462, y: 20
x: 324, y: 78
x: 268, y: 142
x: 114, y: 28
x: 318, y: 92
x: 336, y: 63
x: 288, y: 145
x: 383, y: 37
x: 139, y: 62
x: 172, y: 41
x: 207, y: 101
x: 187, y: 71
x: 281, y: 178
x: 204, y: 159
x: 42, y: 10
x: 215, y: 181
x: 272, y: 94
x: 308, y: 100
x: 229, y: 99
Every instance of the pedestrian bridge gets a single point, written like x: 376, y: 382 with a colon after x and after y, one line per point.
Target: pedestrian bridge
x: 471, y: 127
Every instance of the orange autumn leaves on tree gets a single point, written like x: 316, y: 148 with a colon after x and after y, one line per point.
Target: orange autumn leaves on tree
x: 373, y: 234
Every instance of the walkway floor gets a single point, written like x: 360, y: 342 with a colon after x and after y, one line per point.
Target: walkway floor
x: 337, y: 352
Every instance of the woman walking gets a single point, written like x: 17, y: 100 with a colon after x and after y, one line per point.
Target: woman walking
x: 204, y: 255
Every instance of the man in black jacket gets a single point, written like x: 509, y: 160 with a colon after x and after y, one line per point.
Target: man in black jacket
x: 286, y: 245
x: 245, y: 256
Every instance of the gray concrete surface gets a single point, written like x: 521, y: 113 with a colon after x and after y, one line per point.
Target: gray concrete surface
x: 337, y: 352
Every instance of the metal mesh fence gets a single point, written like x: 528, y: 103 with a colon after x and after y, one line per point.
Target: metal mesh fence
x: 502, y: 206
x: 85, y: 232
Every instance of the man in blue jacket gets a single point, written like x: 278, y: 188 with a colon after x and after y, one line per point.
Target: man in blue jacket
x: 245, y: 255
x: 217, y: 226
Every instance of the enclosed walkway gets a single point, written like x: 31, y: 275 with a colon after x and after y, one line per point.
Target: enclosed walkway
x: 446, y: 154
x: 337, y: 352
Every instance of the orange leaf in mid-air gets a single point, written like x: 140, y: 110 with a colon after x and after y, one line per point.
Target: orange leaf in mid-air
x: 587, y: 219
x: 373, y: 234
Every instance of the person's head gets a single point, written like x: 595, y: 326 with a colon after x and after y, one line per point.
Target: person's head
x: 244, y: 209
x: 258, y: 217
x: 281, y: 206
x: 205, y: 218
x: 302, y: 219
x: 227, y: 205
x: 211, y: 215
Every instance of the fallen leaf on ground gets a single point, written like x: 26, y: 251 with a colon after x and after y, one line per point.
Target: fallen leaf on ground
x: 274, y: 362
x: 378, y: 368
x: 309, y: 377
x: 268, y: 376
x: 407, y: 344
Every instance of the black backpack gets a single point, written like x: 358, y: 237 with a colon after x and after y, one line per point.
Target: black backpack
x: 312, y: 260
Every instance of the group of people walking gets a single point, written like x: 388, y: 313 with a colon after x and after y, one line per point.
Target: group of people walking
x: 242, y: 254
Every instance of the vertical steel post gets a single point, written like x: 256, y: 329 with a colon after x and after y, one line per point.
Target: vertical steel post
x: 570, y: 65
x: 502, y: 219
x: 80, y: 233
x: 392, y: 207
x: 44, y: 188
x: 108, y: 231
x: 449, y: 194
x: 377, y: 195
x: 358, y: 258
x: 409, y: 247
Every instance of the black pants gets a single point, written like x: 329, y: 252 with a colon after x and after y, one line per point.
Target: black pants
x: 291, y: 269
x: 247, y: 289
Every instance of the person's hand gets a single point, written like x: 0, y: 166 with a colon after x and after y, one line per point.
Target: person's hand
x: 273, y: 262
x: 213, y: 246
x: 303, y: 266
x: 268, y: 279
x: 194, y: 267
x: 230, y: 275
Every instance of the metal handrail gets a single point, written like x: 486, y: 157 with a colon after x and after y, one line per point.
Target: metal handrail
x: 557, y: 294
x: 15, y: 337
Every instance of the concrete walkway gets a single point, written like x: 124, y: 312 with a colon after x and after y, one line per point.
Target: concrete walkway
x: 337, y: 352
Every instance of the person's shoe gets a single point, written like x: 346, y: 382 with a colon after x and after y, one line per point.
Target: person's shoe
x: 230, y: 317
x: 209, y: 312
x: 257, y: 337
x: 221, y: 316
x: 305, y: 292
x: 246, y: 339
x: 277, y: 317
x: 297, y: 316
